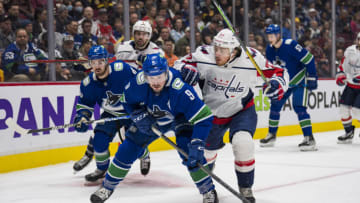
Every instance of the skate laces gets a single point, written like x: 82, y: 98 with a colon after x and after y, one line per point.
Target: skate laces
x: 103, y: 193
x: 247, y: 192
x: 209, y: 197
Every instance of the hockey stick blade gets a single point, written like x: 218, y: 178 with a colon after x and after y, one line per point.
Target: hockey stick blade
x: 203, y: 168
x: 13, y: 125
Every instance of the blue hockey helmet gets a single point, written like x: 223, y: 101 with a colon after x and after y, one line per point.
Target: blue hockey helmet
x: 155, y: 64
x: 273, y: 29
x: 97, y: 52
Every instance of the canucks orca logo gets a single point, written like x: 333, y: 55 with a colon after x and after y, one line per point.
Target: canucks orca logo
x: 112, y: 99
x: 163, y: 117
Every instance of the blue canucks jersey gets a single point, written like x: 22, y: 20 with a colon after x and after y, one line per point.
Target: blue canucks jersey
x: 108, y: 92
x: 175, y: 100
x: 297, y: 60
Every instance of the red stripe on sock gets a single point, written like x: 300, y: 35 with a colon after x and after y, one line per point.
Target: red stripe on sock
x: 346, y: 119
x: 245, y: 163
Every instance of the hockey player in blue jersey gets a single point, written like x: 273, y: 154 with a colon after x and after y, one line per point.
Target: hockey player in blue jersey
x: 171, y: 104
x: 301, y: 68
x: 104, y: 86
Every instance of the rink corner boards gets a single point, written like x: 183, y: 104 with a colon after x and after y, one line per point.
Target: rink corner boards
x: 29, y: 160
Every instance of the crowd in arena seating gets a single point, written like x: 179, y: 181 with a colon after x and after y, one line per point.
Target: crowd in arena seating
x: 79, y: 24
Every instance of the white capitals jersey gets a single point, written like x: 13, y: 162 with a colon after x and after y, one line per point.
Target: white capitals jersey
x: 126, y: 52
x: 351, y: 64
x: 227, y: 90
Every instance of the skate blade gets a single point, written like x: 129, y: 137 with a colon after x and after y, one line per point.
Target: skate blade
x: 270, y: 144
x: 308, y: 148
x: 344, y: 141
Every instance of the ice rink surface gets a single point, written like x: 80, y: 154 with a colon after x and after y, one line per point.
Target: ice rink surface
x: 283, y: 174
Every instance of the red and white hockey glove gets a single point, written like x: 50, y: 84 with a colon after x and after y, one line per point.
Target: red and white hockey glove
x: 275, y: 88
x: 340, y: 78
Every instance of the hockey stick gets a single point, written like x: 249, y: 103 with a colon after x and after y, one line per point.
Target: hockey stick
x: 215, y: 177
x: 62, y: 61
x: 241, y: 42
x: 13, y: 125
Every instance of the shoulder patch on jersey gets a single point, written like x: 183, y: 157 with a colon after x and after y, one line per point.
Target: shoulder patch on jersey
x: 140, y: 79
x: 118, y: 66
x: 86, y: 81
x: 288, y: 41
x: 177, y: 84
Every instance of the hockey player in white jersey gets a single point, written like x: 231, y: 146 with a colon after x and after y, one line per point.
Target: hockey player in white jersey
x: 134, y: 51
x: 349, y: 75
x: 227, y: 77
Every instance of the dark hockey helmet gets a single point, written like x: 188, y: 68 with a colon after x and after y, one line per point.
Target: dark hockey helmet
x: 273, y: 29
x: 155, y: 64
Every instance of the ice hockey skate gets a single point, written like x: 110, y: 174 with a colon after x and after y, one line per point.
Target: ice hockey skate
x: 247, y: 193
x: 347, y: 137
x: 145, y: 165
x: 308, y: 144
x: 101, y: 195
x: 268, y: 141
x: 82, y: 163
x: 210, y: 197
x: 94, y: 176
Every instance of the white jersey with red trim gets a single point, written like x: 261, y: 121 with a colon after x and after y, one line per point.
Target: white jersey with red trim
x: 350, y: 64
x: 228, y: 89
x: 126, y: 52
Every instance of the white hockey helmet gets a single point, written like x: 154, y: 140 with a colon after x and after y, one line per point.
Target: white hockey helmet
x: 226, y: 39
x: 142, y: 25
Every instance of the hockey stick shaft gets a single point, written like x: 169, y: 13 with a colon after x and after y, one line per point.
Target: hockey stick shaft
x: 221, y: 11
x: 11, y: 123
x: 63, y: 61
x: 206, y: 170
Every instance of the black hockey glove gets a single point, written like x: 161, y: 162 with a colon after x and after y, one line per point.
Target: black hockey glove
x: 190, y: 74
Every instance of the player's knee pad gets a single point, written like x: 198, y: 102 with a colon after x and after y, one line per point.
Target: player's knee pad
x: 244, y: 150
x: 356, y: 113
x: 210, y: 155
x: 345, y: 111
x: 300, y: 110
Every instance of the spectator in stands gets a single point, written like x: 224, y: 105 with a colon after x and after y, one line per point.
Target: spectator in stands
x: 168, y: 48
x: 104, y: 29
x: 323, y: 69
x: 104, y: 41
x: 164, y: 35
x: 299, y: 28
x: 167, y: 20
x: 209, y: 32
x: 86, y: 28
x: 7, y: 36
x: 180, y: 46
x: 150, y: 16
x: 355, y: 24
x: 89, y: 15
x: 62, y: 18
x: 39, y: 25
x: 2, y: 9
x: 312, y: 15
x: 13, y: 14
x: 134, y: 17
x: 178, y: 31
x: 19, y: 51
x: 28, y: 26
x: 314, y: 28
x: 286, y: 33
x: 72, y: 28
x: 339, y: 56
x: 76, y: 12
x: 118, y: 30
x: 69, y: 53
x: 305, y: 37
x: 26, y: 10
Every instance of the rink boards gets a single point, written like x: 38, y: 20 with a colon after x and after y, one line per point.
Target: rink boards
x: 41, y: 105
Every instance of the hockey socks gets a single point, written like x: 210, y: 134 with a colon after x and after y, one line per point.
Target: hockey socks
x: 115, y: 174
x: 202, y: 180
x: 102, y: 160
x: 274, y: 122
